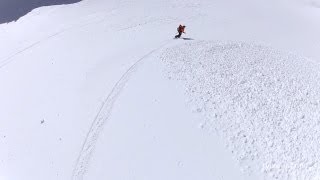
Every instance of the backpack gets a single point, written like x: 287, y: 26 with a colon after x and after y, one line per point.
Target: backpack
x: 180, y: 29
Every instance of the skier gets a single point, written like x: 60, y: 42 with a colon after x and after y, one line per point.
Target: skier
x: 180, y: 30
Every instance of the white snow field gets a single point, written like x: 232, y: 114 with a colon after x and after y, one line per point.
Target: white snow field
x: 99, y: 89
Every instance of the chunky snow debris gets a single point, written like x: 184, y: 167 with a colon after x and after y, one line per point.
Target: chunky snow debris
x: 264, y: 103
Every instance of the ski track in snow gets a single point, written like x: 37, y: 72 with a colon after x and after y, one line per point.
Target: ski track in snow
x: 10, y: 59
x: 103, y: 115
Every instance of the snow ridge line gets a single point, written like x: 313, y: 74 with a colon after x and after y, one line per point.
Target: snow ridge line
x: 102, y: 116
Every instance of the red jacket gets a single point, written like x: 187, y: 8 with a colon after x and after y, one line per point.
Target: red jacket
x: 181, y: 29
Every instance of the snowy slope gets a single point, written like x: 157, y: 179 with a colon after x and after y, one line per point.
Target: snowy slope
x: 83, y: 87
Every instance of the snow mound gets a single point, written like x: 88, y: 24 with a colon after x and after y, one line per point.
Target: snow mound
x: 264, y: 103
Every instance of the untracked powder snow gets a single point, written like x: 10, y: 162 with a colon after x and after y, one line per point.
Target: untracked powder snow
x: 263, y: 102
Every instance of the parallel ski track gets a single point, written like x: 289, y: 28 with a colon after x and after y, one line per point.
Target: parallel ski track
x: 102, y: 116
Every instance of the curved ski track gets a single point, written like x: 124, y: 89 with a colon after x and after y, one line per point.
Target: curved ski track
x: 102, y: 116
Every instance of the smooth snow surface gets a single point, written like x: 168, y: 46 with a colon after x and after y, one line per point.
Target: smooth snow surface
x: 264, y: 103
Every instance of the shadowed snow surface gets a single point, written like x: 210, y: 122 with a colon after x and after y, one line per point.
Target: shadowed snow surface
x: 264, y: 103
x: 12, y: 10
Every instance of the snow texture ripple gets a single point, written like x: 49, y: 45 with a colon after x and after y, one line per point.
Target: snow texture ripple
x: 263, y: 102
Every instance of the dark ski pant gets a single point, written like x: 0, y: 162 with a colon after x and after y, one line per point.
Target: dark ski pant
x: 179, y: 35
